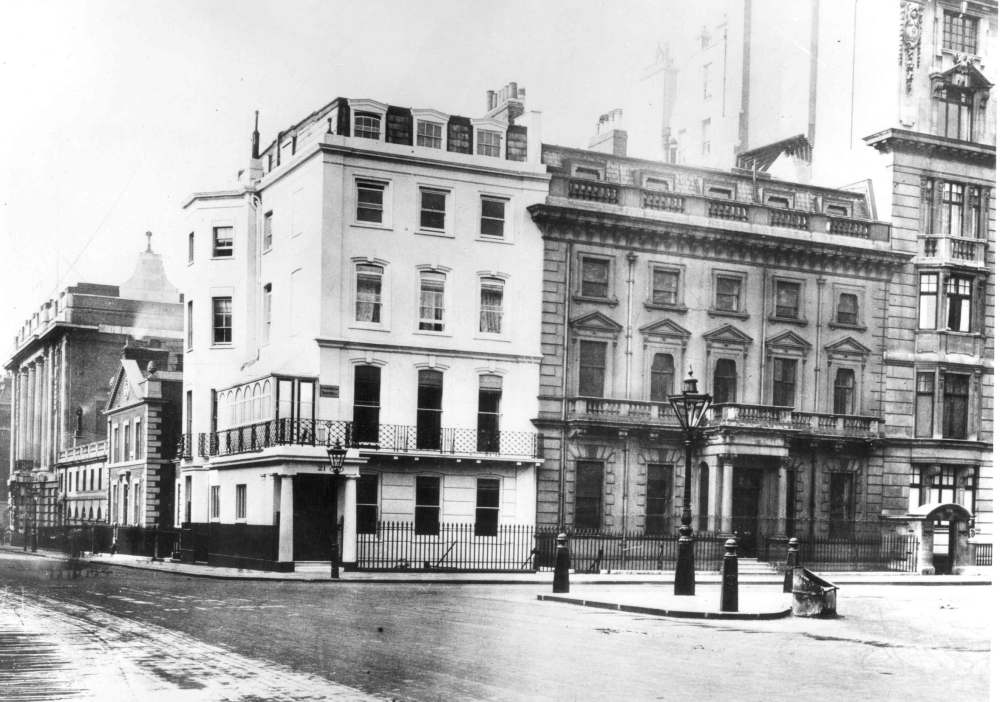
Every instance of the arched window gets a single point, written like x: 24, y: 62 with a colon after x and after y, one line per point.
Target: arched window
x: 238, y: 419
x: 843, y: 391
x: 267, y: 407
x: 724, y: 382
x: 368, y: 296
x: 661, y: 377
x: 256, y: 403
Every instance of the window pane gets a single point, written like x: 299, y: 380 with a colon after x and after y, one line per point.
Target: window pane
x: 222, y: 245
x: 727, y: 294
x: 956, y: 406
x: 432, y: 209
x: 847, y: 309
x: 428, y: 501
x: 429, y: 394
x: 595, y: 277
x: 429, y: 135
x: 370, y: 202
x: 367, y: 125
x: 784, y: 382
x: 724, y: 389
x: 367, y: 497
x: 432, y: 301
x: 665, y: 284
x: 843, y: 392
x: 592, y: 360
x: 488, y: 424
x: 488, y: 143
x: 222, y: 320
x: 491, y: 306
x: 492, y: 222
x: 659, y: 494
x: 369, y: 294
x: 487, y: 506
x: 661, y: 377
x: 787, y: 300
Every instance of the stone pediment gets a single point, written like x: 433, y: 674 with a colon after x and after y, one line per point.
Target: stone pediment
x: 666, y: 328
x: 788, y: 342
x: 126, y: 386
x: 973, y: 77
x: 596, y: 321
x: 847, y: 347
x: 727, y: 334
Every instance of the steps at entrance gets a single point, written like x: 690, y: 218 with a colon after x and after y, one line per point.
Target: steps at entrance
x: 751, y: 566
x: 312, y: 567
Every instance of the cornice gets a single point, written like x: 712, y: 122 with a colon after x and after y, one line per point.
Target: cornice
x: 329, y: 343
x: 905, y: 141
x: 621, y: 230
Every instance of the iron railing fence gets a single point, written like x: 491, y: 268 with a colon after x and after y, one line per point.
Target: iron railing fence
x: 398, y: 546
x: 99, y: 538
x: 185, y: 446
x: 983, y: 554
x: 592, y: 551
x: 385, y: 437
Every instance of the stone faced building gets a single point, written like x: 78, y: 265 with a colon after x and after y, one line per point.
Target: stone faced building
x: 776, y: 295
x: 62, y: 360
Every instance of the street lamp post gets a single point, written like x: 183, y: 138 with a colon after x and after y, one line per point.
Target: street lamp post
x: 336, y: 454
x: 690, y: 408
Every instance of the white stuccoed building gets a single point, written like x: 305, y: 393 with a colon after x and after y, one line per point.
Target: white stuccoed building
x: 372, y: 281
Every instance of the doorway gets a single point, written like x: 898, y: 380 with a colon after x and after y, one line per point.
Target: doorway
x: 746, y: 509
x: 313, y: 522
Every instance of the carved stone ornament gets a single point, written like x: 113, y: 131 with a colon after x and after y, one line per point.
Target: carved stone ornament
x: 911, y: 16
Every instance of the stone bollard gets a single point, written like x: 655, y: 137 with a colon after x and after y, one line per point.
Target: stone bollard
x: 730, y: 600
x: 560, y: 580
x: 793, y: 560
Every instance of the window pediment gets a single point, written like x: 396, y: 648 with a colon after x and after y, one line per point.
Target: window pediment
x: 665, y: 329
x: 597, y: 325
x: 789, y: 343
x: 964, y: 74
x: 847, y: 348
x: 727, y: 335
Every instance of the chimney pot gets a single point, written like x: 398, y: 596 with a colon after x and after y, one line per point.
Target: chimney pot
x: 489, y: 100
x: 513, y: 90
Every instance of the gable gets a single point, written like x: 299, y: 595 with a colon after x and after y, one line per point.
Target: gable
x: 126, y: 386
x: 727, y: 334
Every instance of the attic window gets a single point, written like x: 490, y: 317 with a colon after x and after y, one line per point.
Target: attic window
x: 720, y: 191
x: 367, y: 125
x: 781, y: 201
x: 586, y: 173
x: 837, y: 210
x: 658, y: 184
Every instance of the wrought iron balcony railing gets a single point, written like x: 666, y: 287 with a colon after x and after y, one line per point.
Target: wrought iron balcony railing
x: 184, y: 446
x: 392, y: 438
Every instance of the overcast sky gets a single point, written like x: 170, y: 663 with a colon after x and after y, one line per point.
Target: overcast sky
x: 116, y: 111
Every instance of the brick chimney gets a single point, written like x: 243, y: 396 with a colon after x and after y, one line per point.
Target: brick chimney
x: 506, y: 104
x: 610, y: 137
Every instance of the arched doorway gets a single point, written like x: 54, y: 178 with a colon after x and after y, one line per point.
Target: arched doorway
x: 942, y: 531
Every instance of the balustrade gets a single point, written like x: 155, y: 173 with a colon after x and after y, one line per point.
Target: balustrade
x: 849, y: 227
x: 728, y: 210
x: 666, y: 202
x: 595, y: 192
x: 790, y: 220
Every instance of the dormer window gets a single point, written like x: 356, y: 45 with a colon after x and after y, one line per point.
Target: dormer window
x: 367, y: 125
x: 429, y: 135
x: 488, y: 143
x: 960, y: 32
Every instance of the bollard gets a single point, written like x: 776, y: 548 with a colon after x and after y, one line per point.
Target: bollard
x: 730, y: 600
x: 793, y: 560
x: 335, y: 561
x: 560, y: 580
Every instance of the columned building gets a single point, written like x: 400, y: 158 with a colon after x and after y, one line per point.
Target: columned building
x: 775, y: 295
x: 62, y: 361
x: 370, y: 283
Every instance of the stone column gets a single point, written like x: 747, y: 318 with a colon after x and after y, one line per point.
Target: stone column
x: 727, y: 460
x: 286, y: 550
x: 349, y: 555
x: 713, y: 497
x: 963, y: 560
x: 29, y: 414
x: 782, y: 495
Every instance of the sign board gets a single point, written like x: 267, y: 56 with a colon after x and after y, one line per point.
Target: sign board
x: 329, y: 391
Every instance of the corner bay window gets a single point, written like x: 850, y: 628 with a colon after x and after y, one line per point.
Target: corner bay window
x: 956, y: 406
x: 222, y: 242
x: 487, y: 506
x: 367, y: 500
x: 661, y: 377
x: 595, y: 277
x: 928, y: 301
x: 491, y: 305
x: 428, y: 506
x: 222, y: 320
x: 368, y: 298
x: 432, y: 301
x: 592, y: 364
x: 367, y: 403
x: 783, y: 387
x: 370, y: 202
x: 659, y: 494
x: 430, y: 385
x: 959, y: 298
x: 724, y: 381
x: 589, y: 489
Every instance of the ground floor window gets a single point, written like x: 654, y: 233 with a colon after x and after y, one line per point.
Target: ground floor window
x: 487, y: 506
x: 589, y: 489
x: 215, y: 502
x: 241, y: 501
x: 841, y: 504
x: 426, y: 518
x: 659, y: 495
x: 367, y: 494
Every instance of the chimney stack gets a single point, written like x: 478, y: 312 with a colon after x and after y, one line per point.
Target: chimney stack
x: 255, y: 140
x: 506, y: 104
x: 611, y: 138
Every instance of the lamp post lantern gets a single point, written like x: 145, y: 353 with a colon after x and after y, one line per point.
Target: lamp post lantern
x: 336, y: 454
x: 690, y: 408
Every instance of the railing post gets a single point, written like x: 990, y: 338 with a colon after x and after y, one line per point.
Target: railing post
x: 791, y: 563
x: 560, y: 579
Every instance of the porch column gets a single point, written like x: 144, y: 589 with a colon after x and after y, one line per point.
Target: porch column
x: 727, y: 459
x: 286, y: 552
x: 713, y: 497
x: 349, y: 559
x: 782, y: 495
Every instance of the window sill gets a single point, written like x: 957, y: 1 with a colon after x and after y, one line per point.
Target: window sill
x: 267, y: 251
x: 680, y: 309
x: 241, y: 521
x: 494, y: 239
x: 855, y: 327
x: 425, y: 332
x: 371, y: 225
x: 221, y: 347
x: 434, y: 232
x: 788, y: 320
x: 609, y: 301
x: 483, y: 336
x: 222, y: 258
x: 369, y: 327
x: 728, y: 313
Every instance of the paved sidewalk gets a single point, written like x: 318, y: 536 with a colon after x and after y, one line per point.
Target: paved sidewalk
x: 318, y: 573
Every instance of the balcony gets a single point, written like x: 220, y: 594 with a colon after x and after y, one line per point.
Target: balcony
x: 96, y: 450
x: 655, y: 203
x: 388, y: 438
x: 955, y: 250
x: 837, y: 424
x: 737, y: 415
x: 185, y: 446
x: 625, y: 412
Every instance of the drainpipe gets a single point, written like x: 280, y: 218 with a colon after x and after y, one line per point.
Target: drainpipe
x: 564, y: 450
x: 623, y: 435
x: 763, y: 330
x: 820, y: 282
x: 632, y: 258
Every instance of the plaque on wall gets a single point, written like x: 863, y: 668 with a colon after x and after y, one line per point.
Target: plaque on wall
x: 329, y: 391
